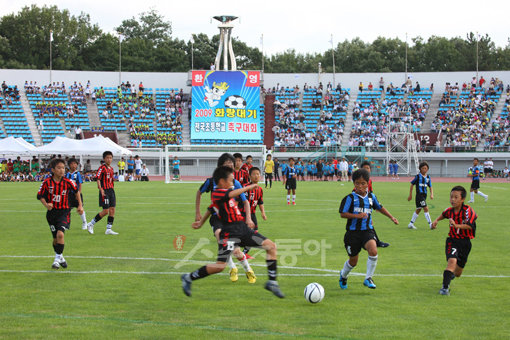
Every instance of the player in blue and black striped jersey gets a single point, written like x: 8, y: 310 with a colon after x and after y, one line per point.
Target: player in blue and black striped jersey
x: 357, y: 208
x: 421, y: 181
x: 75, y: 176
x: 290, y: 181
x: 474, y: 173
x: 209, y: 185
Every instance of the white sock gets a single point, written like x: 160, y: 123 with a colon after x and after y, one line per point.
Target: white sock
x: 415, y: 216
x: 231, y: 263
x: 57, y: 257
x: 482, y: 194
x: 83, y: 218
x: 108, y: 226
x: 346, y: 270
x: 371, y: 264
x: 472, y: 195
x: 427, y: 216
x: 245, y: 264
x: 293, y: 198
x: 92, y: 222
x: 288, y: 198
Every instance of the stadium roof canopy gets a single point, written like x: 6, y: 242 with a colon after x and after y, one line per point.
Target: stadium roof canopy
x: 16, y: 146
x: 85, y: 147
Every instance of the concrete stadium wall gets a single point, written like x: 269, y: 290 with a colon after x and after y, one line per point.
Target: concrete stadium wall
x: 178, y: 80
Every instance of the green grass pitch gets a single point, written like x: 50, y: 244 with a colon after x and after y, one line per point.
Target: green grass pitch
x: 128, y: 286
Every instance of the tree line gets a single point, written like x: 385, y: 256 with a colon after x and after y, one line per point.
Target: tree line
x: 146, y: 44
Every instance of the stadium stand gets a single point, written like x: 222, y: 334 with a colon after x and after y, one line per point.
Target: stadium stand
x: 11, y: 112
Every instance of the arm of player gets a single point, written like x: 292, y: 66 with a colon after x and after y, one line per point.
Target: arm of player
x: 99, y: 187
x: 198, y: 196
x: 249, y: 221
x: 79, y: 209
x: 352, y: 216
x: 200, y: 223
x: 434, y: 224
x: 237, y: 192
x: 263, y: 211
x: 386, y: 213
x: 459, y: 226
x: 48, y: 206
x: 431, y: 193
x: 410, y: 197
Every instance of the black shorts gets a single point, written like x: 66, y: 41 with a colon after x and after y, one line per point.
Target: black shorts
x: 355, y: 240
x: 269, y: 176
x: 254, y: 220
x: 129, y: 171
x: 291, y: 184
x: 176, y: 172
x: 58, y: 219
x: 237, y: 235
x: 215, y: 223
x: 108, y: 200
x: 475, y: 185
x: 73, y: 203
x: 421, y: 200
x: 487, y: 170
x: 459, y: 249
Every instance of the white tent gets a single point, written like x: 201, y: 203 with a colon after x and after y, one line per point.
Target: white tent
x: 90, y: 147
x: 15, y: 146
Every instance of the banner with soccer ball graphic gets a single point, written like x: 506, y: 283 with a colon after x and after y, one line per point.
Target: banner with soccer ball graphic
x: 225, y: 105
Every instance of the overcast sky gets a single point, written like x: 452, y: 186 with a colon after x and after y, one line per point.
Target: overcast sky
x: 288, y: 24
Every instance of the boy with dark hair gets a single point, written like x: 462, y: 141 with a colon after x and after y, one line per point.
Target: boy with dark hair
x: 239, y: 173
x: 289, y: 181
x: 175, y: 169
x: 474, y: 173
x: 248, y: 165
x: 107, y: 199
x: 421, y: 181
x: 462, y: 219
x: 54, y: 193
x: 268, y: 171
x: 75, y: 176
x: 209, y: 185
x: 368, y: 167
x: 357, y: 208
x: 255, y: 197
x: 234, y: 233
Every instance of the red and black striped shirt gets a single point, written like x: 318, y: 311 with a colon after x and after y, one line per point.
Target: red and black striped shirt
x: 105, y: 175
x: 226, y: 208
x: 57, y: 193
x: 255, y: 198
x: 242, y: 176
x: 466, y: 215
x: 247, y: 167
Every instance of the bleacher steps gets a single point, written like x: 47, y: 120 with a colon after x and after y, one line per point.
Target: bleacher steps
x: 186, y: 138
x: 124, y: 139
x: 497, y: 113
x: 93, y: 113
x: 27, y: 110
x: 432, y: 112
x: 67, y: 133
x: 348, y: 121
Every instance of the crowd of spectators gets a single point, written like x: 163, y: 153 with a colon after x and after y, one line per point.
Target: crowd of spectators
x: 10, y: 93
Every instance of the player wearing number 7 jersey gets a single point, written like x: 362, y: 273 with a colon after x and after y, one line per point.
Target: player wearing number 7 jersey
x: 462, y: 220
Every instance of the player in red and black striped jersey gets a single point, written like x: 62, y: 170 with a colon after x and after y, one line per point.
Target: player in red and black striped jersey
x: 248, y: 165
x: 234, y: 233
x: 462, y: 220
x: 54, y: 194
x: 255, y: 196
x: 107, y: 199
x: 240, y: 174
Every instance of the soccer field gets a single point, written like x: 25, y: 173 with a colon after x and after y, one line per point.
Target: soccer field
x: 128, y: 286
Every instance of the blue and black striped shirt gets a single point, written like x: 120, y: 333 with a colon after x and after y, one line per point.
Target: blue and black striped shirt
x: 356, y: 204
x: 421, y: 182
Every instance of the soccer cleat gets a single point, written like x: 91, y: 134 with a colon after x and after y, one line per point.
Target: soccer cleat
x: 444, y: 291
x: 273, y: 287
x: 288, y: 203
x: 471, y: 201
x: 233, y: 275
x: 84, y: 226
x: 110, y: 232
x: 63, y: 262
x: 369, y: 283
x: 251, y: 276
x: 186, y: 284
x: 90, y: 228
x: 382, y: 244
x: 430, y: 226
x: 342, y: 282
x: 249, y: 257
x: 486, y: 198
x: 293, y: 203
x: 55, y: 265
x: 411, y: 226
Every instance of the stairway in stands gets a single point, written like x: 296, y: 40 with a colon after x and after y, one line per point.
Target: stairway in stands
x: 348, y: 121
x: 93, y: 113
x: 30, y: 119
x: 186, y: 126
x: 432, y: 112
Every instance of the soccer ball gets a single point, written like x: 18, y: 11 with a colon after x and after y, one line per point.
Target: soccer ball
x: 314, y: 293
x: 235, y: 102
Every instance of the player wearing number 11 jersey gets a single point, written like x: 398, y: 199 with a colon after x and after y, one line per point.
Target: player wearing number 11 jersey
x: 107, y: 199
x: 462, y: 220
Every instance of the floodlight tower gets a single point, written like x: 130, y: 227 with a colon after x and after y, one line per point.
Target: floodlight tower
x: 225, y: 27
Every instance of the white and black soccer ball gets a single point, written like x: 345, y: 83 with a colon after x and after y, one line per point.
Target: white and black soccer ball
x: 235, y: 102
x: 314, y: 293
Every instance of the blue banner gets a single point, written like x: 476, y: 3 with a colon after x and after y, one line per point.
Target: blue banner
x: 225, y: 105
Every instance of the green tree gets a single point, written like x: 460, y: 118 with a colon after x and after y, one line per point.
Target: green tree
x: 150, y: 26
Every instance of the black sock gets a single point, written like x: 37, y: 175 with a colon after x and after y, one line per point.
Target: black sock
x: 54, y: 247
x: 110, y: 222
x: 97, y: 218
x: 448, y: 276
x: 246, y: 250
x: 200, y: 273
x: 59, y: 248
x: 271, y: 269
